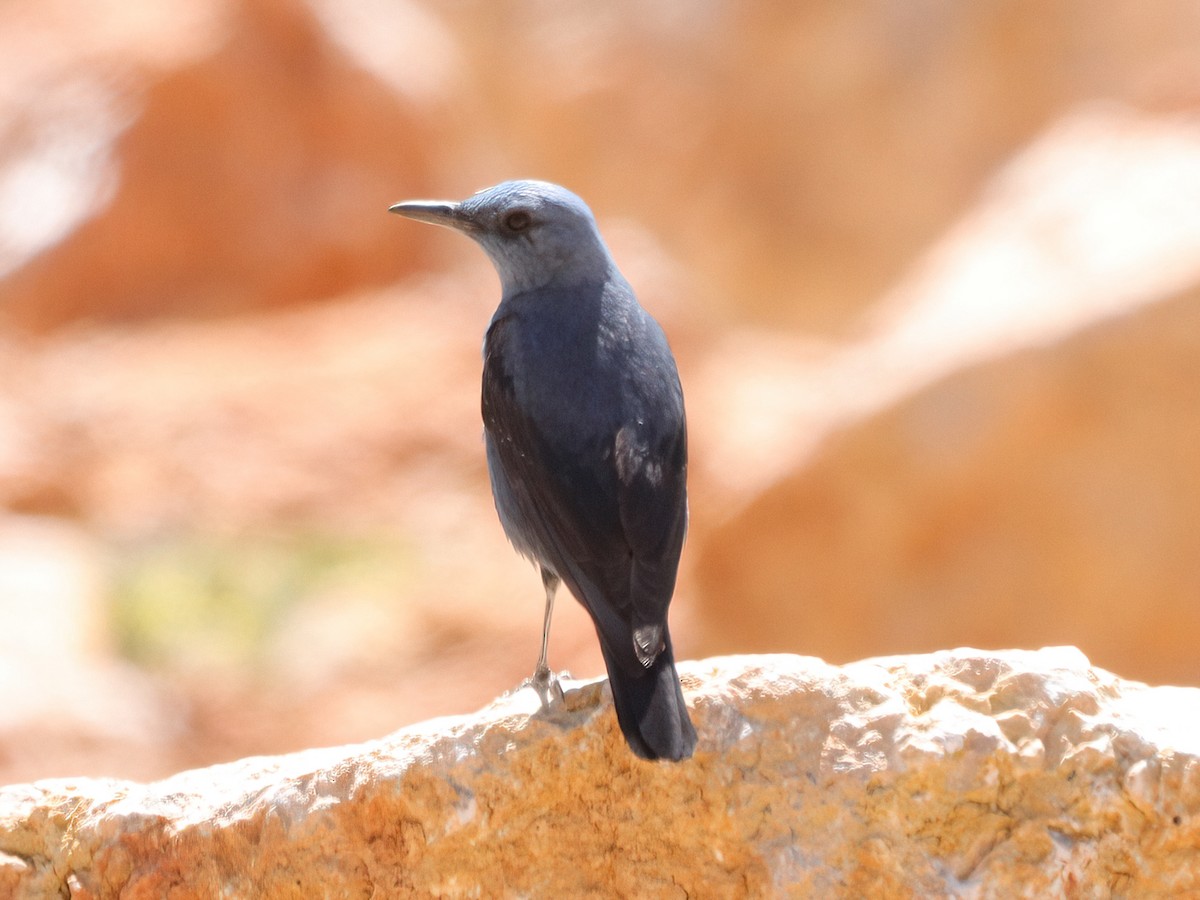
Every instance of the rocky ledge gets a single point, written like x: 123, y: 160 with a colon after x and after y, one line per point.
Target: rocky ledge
x: 963, y: 773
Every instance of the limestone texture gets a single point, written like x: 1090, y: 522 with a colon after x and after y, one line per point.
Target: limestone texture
x: 956, y: 774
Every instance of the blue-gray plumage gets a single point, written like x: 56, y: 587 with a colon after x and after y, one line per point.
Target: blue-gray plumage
x: 586, y: 440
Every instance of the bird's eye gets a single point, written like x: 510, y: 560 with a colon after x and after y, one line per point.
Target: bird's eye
x: 518, y: 220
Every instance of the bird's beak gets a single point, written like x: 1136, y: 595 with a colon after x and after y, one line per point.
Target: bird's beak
x: 435, y: 212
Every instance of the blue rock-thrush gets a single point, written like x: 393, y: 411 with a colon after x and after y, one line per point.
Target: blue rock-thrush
x: 586, y: 440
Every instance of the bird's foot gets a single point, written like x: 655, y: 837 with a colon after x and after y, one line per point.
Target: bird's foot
x: 545, y: 682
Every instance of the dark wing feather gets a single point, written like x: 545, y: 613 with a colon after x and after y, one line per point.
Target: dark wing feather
x: 652, y: 497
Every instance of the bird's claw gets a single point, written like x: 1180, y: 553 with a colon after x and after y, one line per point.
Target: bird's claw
x: 545, y: 683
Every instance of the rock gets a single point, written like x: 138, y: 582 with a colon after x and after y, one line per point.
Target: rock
x: 961, y: 773
x: 1009, y: 457
x: 197, y: 157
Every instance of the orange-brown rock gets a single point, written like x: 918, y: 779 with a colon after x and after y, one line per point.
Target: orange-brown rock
x: 204, y: 157
x: 957, y: 774
x: 1010, y: 458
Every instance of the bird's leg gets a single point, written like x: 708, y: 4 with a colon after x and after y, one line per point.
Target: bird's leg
x: 544, y: 680
x: 550, y: 582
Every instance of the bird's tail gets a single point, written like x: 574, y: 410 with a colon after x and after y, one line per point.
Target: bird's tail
x: 650, y: 707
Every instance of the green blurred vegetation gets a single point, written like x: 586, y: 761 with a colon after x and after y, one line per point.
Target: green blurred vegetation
x: 189, y: 603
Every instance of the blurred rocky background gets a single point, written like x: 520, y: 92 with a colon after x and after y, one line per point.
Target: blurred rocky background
x: 932, y: 272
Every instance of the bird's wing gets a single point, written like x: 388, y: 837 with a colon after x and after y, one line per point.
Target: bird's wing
x: 651, y: 463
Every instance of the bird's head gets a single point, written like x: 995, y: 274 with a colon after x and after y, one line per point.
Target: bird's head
x: 535, y: 233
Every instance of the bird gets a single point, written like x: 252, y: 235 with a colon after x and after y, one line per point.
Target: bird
x: 585, y: 436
